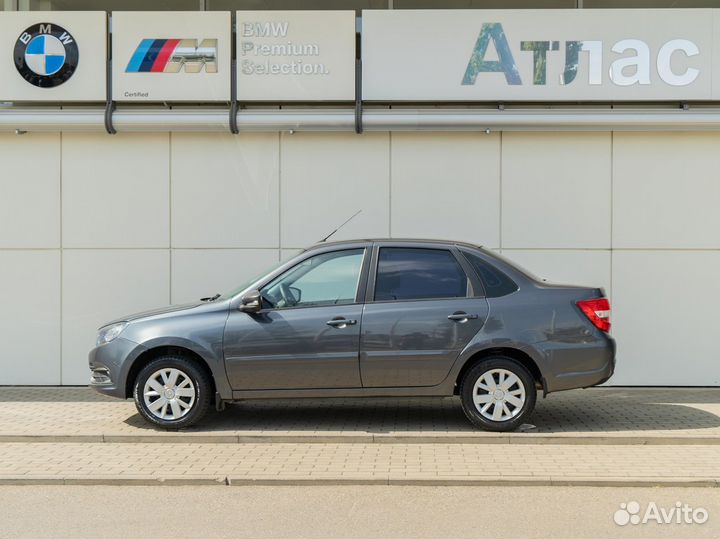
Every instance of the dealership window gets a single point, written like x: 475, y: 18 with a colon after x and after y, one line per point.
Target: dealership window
x: 357, y: 5
x: 550, y: 4
x: 619, y: 4
x: 109, y: 5
x: 188, y: 5
x: 454, y: 4
x: 483, y: 4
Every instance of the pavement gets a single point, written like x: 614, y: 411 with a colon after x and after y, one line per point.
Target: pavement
x: 597, y: 437
x: 597, y: 415
x: 169, y: 512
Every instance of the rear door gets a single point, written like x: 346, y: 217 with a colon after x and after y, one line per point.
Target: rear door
x: 424, y: 305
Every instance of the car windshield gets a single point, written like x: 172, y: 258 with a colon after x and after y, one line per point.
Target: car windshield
x: 248, y: 282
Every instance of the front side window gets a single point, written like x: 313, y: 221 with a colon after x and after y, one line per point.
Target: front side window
x: 409, y: 273
x: 325, y: 279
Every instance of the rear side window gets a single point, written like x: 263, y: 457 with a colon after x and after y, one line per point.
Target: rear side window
x: 406, y: 274
x: 496, y: 283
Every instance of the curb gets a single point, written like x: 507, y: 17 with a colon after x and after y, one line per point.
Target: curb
x: 485, y: 438
x: 359, y: 481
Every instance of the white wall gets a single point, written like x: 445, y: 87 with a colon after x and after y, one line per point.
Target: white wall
x: 93, y: 227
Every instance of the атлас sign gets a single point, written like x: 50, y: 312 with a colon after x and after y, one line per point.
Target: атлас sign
x: 540, y: 55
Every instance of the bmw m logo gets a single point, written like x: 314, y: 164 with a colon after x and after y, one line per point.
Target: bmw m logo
x: 46, y: 55
x: 172, y: 55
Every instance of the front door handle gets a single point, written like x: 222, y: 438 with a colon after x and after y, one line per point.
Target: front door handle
x: 460, y: 316
x: 341, y: 322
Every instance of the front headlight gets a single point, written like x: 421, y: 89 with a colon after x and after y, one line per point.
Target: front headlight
x: 110, y: 333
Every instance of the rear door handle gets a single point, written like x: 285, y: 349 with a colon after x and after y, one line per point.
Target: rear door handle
x: 341, y: 322
x: 460, y: 316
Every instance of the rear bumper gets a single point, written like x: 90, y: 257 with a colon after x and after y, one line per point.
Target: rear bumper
x: 109, y: 366
x: 584, y: 366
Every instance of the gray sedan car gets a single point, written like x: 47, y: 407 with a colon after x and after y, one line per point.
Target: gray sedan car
x: 370, y: 318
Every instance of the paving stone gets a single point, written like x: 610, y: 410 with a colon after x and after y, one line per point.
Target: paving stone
x: 597, y: 415
x: 196, y: 463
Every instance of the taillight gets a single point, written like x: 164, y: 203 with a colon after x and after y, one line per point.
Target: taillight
x: 597, y: 311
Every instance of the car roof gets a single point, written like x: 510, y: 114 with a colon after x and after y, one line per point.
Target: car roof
x: 409, y: 241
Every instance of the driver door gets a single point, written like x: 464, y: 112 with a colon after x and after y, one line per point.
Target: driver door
x: 307, y: 336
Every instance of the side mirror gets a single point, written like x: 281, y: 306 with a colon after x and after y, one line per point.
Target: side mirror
x: 251, y: 302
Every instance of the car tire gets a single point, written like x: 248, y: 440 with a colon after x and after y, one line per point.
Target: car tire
x: 503, y: 404
x: 172, y: 391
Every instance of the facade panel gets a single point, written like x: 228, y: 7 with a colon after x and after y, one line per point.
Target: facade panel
x: 115, y: 190
x: 664, y: 317
x: 666, y: 191
x: 446, y: 185
x: 30, y: 190
x: 556, y: 190
x: 225, y: 190
x: 30, y: 317
x: 326, y: 178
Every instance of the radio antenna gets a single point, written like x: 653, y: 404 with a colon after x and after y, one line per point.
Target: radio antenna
x: 342, y: 225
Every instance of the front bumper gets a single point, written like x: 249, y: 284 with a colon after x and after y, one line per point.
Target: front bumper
x: 110, y: 364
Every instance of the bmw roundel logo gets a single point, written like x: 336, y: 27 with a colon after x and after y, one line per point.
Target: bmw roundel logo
x: 46, y: 55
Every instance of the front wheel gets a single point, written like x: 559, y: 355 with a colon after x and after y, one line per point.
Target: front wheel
x: 172, y: 392
x: 498, y: 394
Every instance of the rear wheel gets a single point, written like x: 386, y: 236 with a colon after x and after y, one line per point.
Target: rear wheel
x: 172, y: 392
x: 498, y: 394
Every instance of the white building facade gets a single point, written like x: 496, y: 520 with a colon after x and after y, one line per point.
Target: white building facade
x: 591, y: 186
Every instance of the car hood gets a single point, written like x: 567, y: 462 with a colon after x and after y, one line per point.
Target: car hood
x: 161, y: 311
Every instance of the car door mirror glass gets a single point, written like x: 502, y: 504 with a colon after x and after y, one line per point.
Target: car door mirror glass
x: 251, y: 302
x: 296, y: 294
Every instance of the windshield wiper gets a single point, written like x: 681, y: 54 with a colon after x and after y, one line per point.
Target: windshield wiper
x: 213, y: 298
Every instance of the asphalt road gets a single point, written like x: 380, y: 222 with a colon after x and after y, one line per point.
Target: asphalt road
x: 342, y: 511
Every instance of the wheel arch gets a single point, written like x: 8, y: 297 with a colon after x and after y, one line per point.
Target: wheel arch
x: 518, y: 355
x: 163, y: 350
